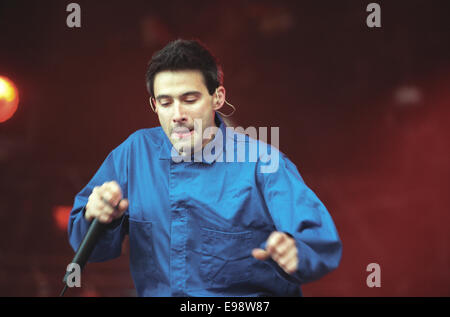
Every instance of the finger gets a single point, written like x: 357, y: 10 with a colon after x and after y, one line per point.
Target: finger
x: 106, y: 197
x: 291, y: 266
x: 111, y: 203
x: 119, y: 210
x: 92, y: 206
x: 123, y: 205
x: 111, y: 193
x: 96, y: 202
x: 104, y: 218
x: 95, y: 189
x: 98, y: 205
x: 93, y: 211
x: 284, y: 247
x: 273, y: 241
x: 292, y: 254
x: 287, y: 258
x: 106, y: 209
x: 113, y: 186
x: 289, y: 261
x: 88, y: 215
x: 115, y: 189
x: 260, y: 254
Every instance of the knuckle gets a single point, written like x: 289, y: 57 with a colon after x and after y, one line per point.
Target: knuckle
x: 114, y: 186
x: 280, y: 237
x: 290, y: 270
x: 293, y: 255
x: 110, y: 211
x: 273, y: 236
x: 105, y: 198
x: 293, y: 267
x: 107, y: 209
x: 273, y: 240
x: 276, y: 258
x: 284, y: 247
x: 279, y: 249
x: 95, y: 193
x: 121, y: 205
x: 105, y: 212
x: 100, y: 204
x: 276, y: 235
x: 90, y: 214
x: 282, y: 261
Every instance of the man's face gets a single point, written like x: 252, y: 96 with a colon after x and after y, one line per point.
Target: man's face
x: 182, y: 97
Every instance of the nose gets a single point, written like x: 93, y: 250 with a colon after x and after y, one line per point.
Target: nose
x: 179, y: 115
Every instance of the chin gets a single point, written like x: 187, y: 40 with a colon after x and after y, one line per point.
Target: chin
x: 184, y: 146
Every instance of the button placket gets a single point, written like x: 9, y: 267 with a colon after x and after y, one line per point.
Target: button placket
x: 178, y: 231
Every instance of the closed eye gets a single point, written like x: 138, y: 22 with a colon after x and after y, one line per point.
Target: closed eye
x: 165, y: 102
x: 190, y: 97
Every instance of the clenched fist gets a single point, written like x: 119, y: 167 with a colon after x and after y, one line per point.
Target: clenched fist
x: 106, y: 203
x: 281, y: 247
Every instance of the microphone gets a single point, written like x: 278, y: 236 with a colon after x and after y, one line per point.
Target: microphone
x: 86, y: 247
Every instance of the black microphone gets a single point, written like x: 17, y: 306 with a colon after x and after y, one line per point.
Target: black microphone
x: 86, y: 247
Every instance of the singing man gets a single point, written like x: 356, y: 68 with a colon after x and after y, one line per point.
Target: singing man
x: 208, y: 226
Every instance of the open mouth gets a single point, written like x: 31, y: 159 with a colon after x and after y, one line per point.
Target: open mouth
x: 182, y: 133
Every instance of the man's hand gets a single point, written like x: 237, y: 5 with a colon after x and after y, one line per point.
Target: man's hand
x: 282, y: 249
x: 105, y: 203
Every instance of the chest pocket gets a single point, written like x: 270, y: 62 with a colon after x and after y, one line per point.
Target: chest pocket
x: 226, y: 257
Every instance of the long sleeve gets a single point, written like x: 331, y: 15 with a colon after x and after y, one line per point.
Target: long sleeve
x: 109, y: 246
x: 296, y: 210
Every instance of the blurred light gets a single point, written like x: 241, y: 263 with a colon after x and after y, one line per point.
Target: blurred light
x: 9, y: 99
x: 90, y: 293
x: 408, y: 95
x: 61, y: 216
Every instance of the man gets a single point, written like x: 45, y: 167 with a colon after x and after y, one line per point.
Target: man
x: 208, y: 226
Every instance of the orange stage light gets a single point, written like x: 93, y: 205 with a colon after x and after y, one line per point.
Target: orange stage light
x: 9, y: 99
x: 61, y: 216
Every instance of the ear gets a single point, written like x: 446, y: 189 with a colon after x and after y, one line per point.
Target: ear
x: 219, y: 98
x: 153, y: 104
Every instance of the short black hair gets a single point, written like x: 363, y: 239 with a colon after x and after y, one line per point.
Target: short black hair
x: 185, y: 55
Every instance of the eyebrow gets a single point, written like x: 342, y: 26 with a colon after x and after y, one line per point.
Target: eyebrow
x: 194, y: 92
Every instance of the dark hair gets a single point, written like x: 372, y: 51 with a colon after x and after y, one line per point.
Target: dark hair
x: 185, y: 55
